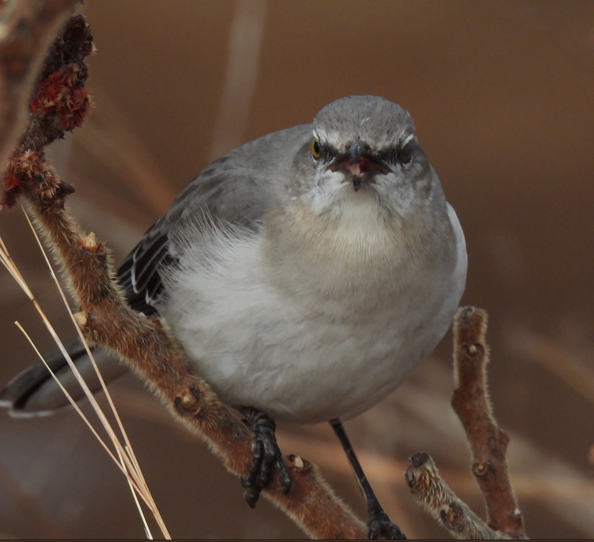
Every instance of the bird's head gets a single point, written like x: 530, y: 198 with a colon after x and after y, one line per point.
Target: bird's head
x: 364, y: 149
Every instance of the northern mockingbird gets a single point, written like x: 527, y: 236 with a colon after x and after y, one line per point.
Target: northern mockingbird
x: 305, y: 273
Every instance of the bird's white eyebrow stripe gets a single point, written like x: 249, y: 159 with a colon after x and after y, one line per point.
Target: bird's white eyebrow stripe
x: 407, y: 139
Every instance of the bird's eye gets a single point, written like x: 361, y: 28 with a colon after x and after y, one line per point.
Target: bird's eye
x: 405, y: 154
x: 316, y: 150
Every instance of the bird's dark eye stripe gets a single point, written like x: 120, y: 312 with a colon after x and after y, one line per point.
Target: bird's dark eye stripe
x: 402, y: 155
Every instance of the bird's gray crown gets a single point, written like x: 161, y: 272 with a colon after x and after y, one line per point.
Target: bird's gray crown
x: 378, y: 122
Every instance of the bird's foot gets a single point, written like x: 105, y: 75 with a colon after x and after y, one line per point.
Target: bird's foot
x: 380, y: 526
x: 265, y: 455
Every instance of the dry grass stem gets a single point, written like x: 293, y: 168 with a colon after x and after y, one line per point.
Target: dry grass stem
x: 129, y: 467
x: 147, y: 530
x: 79, y: 320
x: 131, y: 478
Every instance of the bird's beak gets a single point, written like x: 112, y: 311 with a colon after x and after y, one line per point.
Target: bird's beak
x: 358, y: 164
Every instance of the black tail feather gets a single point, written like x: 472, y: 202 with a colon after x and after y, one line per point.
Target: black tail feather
x: 34, y: 392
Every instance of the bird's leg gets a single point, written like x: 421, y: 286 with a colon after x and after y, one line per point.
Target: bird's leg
x: 265, y: 454
x: 378, y: 522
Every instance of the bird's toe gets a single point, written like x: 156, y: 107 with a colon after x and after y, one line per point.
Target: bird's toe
x: 265, y: 456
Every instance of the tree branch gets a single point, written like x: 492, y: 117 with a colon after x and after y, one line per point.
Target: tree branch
x: 488, y: 444
x: 472, y: 404
x: 61, y: 103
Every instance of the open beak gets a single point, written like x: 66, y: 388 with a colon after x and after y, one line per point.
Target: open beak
x: 359, y: 164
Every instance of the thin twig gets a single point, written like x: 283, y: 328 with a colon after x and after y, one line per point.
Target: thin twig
x: 433, y: 494
x: 472, y: 404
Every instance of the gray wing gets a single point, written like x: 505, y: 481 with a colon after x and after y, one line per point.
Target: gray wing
x: 236, y: 189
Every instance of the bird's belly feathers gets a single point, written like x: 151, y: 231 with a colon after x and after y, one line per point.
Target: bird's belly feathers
x: 290, y: 358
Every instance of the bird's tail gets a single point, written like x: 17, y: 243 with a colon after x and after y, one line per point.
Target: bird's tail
x: 34, y: 392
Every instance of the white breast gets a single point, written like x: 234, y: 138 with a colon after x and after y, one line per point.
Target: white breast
x: 287, y: 352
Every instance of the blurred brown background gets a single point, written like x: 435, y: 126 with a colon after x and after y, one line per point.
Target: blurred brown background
x: 501, y: 93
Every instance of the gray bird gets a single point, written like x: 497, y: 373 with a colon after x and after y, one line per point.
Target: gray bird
x: 305, y: 273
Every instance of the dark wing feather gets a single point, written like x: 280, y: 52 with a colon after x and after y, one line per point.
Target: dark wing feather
x: 235, y: 189
x: 139, y: 274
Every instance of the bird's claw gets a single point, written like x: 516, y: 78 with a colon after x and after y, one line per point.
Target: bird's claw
x: 379, y: 525
x: 265, y: 455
